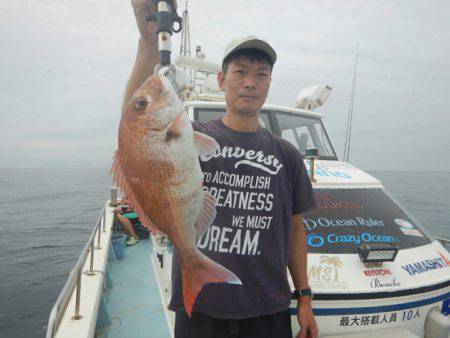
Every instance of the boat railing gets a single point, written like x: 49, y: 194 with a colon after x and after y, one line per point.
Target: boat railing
x: 444, y: 241
x: 74, y: 279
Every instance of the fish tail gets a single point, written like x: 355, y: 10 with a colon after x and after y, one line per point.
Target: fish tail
x: 203, y: 271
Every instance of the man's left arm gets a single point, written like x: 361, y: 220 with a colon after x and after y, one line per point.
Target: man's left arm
x: 297, y: 268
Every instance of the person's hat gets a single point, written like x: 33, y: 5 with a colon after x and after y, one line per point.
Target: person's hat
x: 250, y: 42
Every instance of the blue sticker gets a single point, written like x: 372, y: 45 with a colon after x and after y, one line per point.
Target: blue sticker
x: 446, y: 307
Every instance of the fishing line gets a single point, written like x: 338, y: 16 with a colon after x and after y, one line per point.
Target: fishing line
x: 80, y: 214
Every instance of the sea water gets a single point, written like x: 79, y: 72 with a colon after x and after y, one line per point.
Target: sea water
x: 47, y: 216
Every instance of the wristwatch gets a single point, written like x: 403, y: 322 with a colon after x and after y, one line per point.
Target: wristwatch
x: 302, y: 293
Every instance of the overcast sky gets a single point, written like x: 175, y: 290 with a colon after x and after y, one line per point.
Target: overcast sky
x: 64, y: 65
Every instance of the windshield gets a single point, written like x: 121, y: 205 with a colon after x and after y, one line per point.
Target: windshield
x: 346, y: 218
x: 303, y: 132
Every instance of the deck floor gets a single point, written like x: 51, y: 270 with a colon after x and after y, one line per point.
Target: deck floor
x: 134, y: 302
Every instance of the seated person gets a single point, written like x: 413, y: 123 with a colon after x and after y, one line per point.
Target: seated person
x: 124, y: 214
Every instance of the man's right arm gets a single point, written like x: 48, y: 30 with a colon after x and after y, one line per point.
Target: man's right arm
x: 147, y: 54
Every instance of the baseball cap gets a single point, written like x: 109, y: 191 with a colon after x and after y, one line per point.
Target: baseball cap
x: 252, y: 42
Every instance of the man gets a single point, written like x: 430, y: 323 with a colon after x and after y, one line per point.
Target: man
x: 262, y: 188
x: 124, y: 214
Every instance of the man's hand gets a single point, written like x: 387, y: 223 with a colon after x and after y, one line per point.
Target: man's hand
x: 142, y: 9
x: 147, y: 56
x: 305, y: 317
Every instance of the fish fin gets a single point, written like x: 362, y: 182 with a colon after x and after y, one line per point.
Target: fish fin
x: 206, y: 145
x: 174, y: 129
x: 120, y: 179
x: 207, y: 214
x: 199, y: 273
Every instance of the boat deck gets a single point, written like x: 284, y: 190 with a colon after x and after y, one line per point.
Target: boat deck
x: 134, y: 302
x: 128, y: 297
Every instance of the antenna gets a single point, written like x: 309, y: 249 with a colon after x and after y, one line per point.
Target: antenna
x: 185, y: 45
x: 348, y: 133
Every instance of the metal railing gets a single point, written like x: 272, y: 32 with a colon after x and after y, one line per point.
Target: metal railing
x: 444, y: 241
x: 74, y: 279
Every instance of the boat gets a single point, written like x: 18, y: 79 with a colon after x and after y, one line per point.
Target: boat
x: 373, y: 268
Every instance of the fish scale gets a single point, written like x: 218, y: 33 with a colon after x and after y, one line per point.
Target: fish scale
x: 157, y: 167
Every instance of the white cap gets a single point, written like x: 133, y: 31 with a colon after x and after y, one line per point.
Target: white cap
x: 252, y: 42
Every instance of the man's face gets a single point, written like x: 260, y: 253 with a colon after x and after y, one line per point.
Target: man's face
x: 246, y: 85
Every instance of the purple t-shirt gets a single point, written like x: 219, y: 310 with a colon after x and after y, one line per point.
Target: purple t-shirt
x: 259, y: 181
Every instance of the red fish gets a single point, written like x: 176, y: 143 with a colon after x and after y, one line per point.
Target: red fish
x: 157, y: 167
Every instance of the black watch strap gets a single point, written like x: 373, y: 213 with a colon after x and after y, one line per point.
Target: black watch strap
x: 302, y: 292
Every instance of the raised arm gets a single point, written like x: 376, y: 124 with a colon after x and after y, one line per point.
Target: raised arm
x: 147, y: 54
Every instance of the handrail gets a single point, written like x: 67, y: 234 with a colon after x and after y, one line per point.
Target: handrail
x: 74, y: 279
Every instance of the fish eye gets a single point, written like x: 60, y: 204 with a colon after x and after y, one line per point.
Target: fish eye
x: 140, y: 103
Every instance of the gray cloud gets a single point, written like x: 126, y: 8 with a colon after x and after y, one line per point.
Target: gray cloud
x: 64, y: 65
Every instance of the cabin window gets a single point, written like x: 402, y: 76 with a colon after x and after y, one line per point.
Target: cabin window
x: 299, y: 137
x: 305, y: 132
x: 302, y: 131
x: 346, y: 218
x: 323, y: 137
